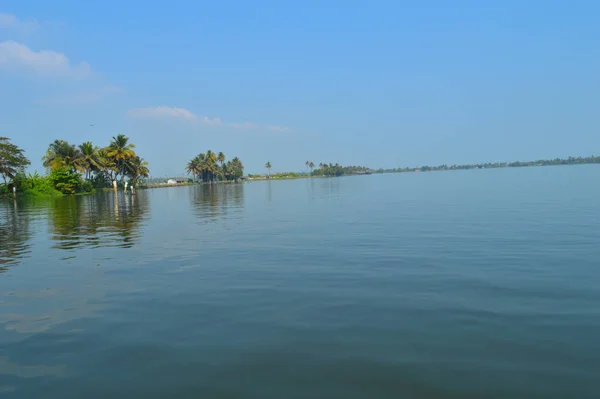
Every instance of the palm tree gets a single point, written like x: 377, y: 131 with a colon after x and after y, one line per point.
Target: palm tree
x: 311, y: 165
x: 306, y: 164
x: 221, y: 158
x: 236, y: 168
x: 61, y: 153
x: 194, y: 167
x: 268, y: 166
x: 210, y: 161
x: 106, y: 165
x: 136, y: 168
x: 89, y: 158
x: 120, y: 150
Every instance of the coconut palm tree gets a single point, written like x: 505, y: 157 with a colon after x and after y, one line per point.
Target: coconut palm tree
x: 89, y: 158
x: 194, y: 167
x: 268, y: 166
x: 136, y: 168
x: 61, y: 153
x: 120, y: 150
x: 236, y: 168
x: 311, y: 165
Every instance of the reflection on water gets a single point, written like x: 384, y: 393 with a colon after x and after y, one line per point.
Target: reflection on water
x: 106, y: 219
x: 14, y: 234
x: 212, y: 201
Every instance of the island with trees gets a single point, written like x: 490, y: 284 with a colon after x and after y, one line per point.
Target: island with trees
x: 72, y: 169
x: 210, y: 167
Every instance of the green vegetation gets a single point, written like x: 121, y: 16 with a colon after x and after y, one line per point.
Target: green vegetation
x: 339, y: 170
x: 284, y: 175
x: 268, y: 166
x: 210, y: 167
x: 72, y: 169
x: 12, y: 160
x: 543, y: 162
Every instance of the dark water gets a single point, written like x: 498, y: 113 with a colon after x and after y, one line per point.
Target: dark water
x: 476, y: 284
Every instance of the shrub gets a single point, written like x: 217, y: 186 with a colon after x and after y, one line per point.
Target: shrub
x: 66, y: 180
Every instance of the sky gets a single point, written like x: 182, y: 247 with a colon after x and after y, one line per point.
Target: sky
x: 378, y: 83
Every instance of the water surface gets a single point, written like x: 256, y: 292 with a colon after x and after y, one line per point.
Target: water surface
x: 463, y: 284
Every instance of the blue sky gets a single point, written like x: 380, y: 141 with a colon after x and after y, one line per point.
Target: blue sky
x: 379, y: 83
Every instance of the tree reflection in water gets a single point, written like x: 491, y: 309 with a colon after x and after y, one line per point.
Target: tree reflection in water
x: 105, y: 219
x: 213, y: 201
x: 15, y: 234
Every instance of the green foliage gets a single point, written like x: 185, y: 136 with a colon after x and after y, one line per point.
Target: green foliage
x: 87, y: 187
x: 339, y: 170
x: 66, y: 180
x: 209, y: 167
x: 35, y: 185
x: 12, y: 159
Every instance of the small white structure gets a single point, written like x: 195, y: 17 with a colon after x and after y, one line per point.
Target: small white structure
x: 177, y: 180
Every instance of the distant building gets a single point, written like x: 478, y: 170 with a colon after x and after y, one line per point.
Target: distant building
x: 177, y: 180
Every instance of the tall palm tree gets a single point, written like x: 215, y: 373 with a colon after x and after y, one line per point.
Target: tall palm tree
x: 210, y: 161
x: 194, y: 167
x: 306, y: 164
x: 106, y: 165
x: 61, y: 153
x: 311, y: 165
x: 136, y: 168
x: 89, y: 158
x: 237, y: 168
x: 268, y: 166
x: 221, y: 158
x: 120, y: 150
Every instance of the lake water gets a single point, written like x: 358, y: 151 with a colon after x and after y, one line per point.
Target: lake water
x: 467, y: 284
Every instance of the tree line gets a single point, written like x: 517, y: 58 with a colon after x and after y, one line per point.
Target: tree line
x: 73, y: 168
x: 338, y: 170
x: 495, y: 165
x: 210, y: 167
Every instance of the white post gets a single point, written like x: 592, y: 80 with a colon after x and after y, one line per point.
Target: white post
x: 125, y: 187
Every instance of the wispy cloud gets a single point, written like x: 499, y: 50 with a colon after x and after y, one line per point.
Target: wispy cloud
x: 164, y: 111
x: 84, y: 97
x: 17, y: 56
x: 9, y: 21
x: 275, y: 128
x: 161, y: 112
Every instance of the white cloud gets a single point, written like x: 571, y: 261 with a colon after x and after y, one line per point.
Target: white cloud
x: 245, y: 125
x: 213, y: 121
x: 161, y: 111
x: 164, y: 111
x: 275, y: 128
x: 9, y: 21
x: 84, y: 97
x: 17, y: 56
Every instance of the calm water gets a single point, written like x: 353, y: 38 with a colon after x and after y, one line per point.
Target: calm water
x: 435, y: 285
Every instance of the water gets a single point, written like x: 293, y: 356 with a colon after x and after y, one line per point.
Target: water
x: 464, y: 284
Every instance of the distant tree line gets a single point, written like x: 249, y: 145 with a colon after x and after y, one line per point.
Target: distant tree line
x: 339, y: 170
x: 542, y: 162
x: 209, y: 167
